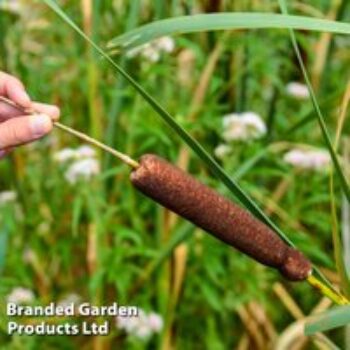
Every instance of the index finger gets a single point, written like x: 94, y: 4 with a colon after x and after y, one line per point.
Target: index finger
x: 12, y: 88
x: 50, y: 110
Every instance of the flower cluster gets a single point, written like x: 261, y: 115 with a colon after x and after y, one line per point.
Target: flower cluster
x: 7, y: 197
x: 67, y: 154
x: 83, y: 163
x: 152, y: 51
x: 20, y: 295
x: 318, y: 160
x: 141, y: 326
x: 243, y: 127
x: 13, y: 6
x: 298, y: 90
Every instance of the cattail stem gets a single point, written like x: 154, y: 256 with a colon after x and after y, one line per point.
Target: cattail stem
x: 123, y: 157
x: 337, y: 298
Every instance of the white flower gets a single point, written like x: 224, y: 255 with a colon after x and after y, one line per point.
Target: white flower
x: 141, y: 326
x: 20, y: 295
x: 85, y: 151
x: 7, y: 197
x: 298, y: 90
x: 143, y: 331
x: 14, y: 6
x: 64, y: 155
x: 152, y: 51
x: 155, y: 322
x: 222, y: 150
x: 83, y: 169
x: 244, y: 126
x: 70, y: 299
x: 165, y: 43
x: 318, y: 160
x: 68, y: 154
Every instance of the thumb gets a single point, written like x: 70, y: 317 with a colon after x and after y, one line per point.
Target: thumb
x: 21, y: 130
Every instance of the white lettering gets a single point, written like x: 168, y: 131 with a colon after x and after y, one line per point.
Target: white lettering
x: 11, y: 327
x: 11, y: 309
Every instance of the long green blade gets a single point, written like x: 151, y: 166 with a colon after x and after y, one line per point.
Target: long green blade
x: 223, y: 21
x: 334, y: 318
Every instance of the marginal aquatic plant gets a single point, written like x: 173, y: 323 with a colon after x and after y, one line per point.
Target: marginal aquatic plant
x: 181, y: 193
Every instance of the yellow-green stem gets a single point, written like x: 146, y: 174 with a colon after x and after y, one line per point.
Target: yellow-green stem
x: 337, y: 298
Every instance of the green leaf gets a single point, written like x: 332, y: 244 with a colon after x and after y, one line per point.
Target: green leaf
x: 223, y: 21
x: 334, y: 318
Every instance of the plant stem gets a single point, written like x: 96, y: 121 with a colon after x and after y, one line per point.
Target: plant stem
x: 335, y: 297
x: 123, y: 157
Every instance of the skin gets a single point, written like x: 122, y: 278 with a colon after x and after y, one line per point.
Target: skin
x: 17, y: 129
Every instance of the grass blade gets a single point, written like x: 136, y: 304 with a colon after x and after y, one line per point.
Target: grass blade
x: 334, y: 318
x: 223, y: 21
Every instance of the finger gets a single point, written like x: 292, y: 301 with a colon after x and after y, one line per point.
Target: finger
x: 21, y: 130
x: 7, y: 111
x: 50, y: 110
x: 14, y: 90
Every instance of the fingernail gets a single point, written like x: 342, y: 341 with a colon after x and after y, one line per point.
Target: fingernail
x: 40, y: 124
x: 55, y: 113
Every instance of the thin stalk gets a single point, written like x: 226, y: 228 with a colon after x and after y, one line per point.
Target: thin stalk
x: 121, y: 156
x: 336, y: 297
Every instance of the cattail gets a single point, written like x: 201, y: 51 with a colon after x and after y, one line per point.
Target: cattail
x: 197, y: 203
x: 184, y: 195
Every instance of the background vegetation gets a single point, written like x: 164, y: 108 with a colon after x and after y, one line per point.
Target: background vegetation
x: 102, y: 240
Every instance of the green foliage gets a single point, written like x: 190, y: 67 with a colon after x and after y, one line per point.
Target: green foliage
x: 334, y: 318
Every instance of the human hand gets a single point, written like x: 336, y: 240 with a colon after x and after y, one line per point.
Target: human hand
x: 18, y: 129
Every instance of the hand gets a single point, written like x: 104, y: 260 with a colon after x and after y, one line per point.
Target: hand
x: 18, y: 129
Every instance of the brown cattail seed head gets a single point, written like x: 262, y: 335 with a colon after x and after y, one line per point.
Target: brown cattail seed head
x: 183, y: 194
x: 296, y: 267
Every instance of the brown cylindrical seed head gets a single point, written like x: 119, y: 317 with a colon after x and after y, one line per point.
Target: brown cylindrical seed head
x: 183, y: 194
